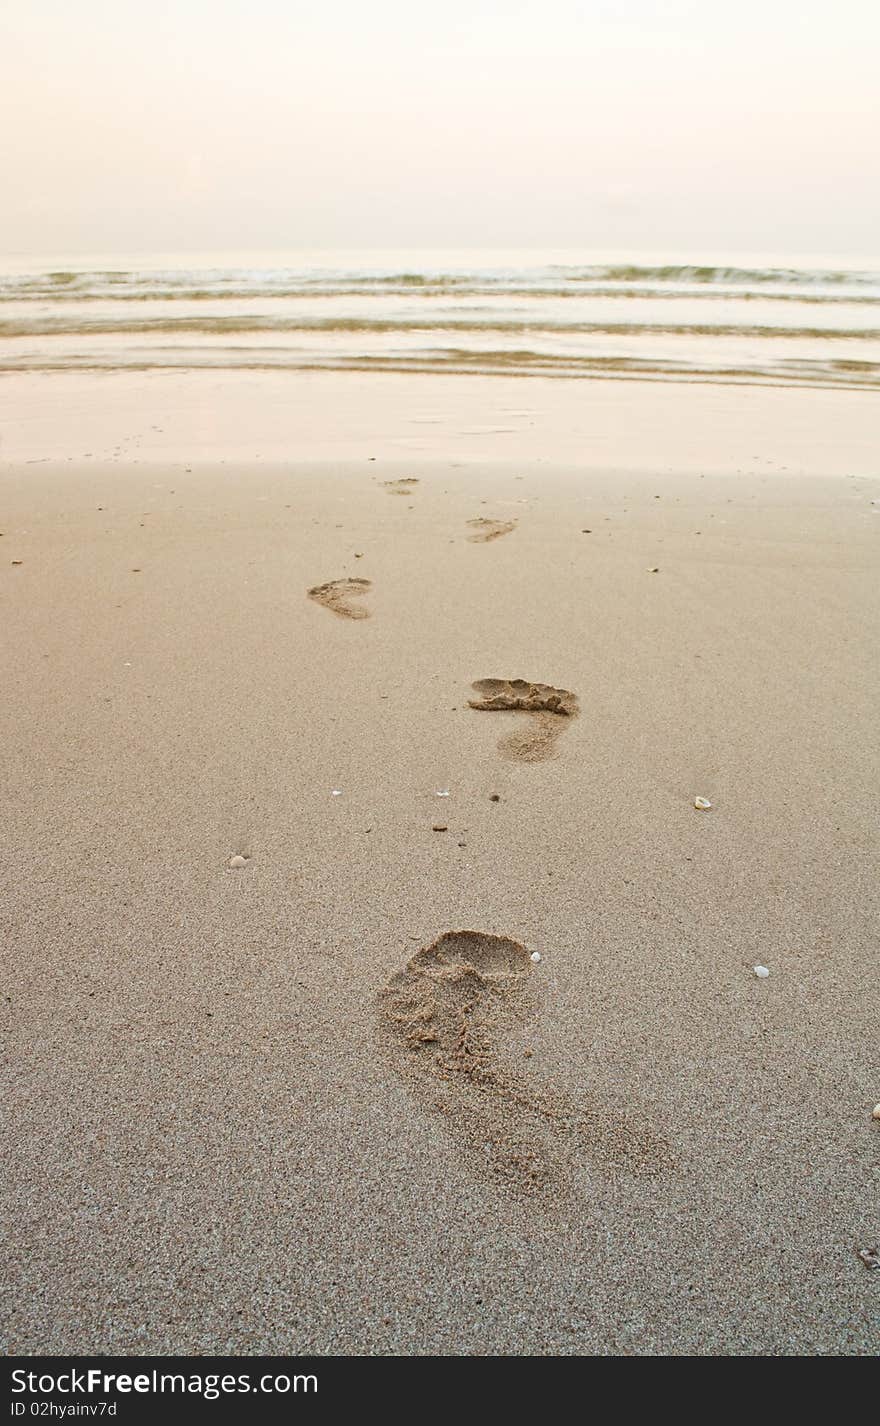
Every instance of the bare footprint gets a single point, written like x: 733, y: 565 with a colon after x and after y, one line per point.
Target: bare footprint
x: 548, y: 706
x: 486, y: 530
x: 401, y: 487
x: 442, y: 1020
x: 337, y: 595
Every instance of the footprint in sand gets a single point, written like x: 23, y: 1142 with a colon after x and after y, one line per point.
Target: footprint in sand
x: 486, y: 530
x: 549, y: 708
x: 401, y: 487
x: 338, y: 594
x: 442, y: 1021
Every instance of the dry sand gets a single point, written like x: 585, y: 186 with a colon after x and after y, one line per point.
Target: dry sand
x: 239, y: 1116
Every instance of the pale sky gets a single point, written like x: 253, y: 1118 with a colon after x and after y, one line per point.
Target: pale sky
x: 752, y: 125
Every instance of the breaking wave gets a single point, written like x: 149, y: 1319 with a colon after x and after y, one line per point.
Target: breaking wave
x: 783, y: 323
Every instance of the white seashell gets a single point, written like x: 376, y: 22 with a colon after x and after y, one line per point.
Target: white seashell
x: 702, y: 804
x: 237, y: 861
x: 336, y: 792
x: 442, y: 792
x: 536, y: 956
x: 761, y: 972
x: 876, y: 1114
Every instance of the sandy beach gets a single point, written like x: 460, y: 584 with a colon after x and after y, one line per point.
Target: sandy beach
x: 234, y: 813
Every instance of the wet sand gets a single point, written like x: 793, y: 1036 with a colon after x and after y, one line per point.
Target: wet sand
x: 221, y: 1132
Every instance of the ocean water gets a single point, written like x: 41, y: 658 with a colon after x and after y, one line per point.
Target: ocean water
x: 773, y: 320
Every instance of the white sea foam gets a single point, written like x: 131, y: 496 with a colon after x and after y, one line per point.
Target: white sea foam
x: 780, y: 320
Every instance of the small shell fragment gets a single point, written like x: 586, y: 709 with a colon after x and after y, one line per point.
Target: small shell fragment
x: 870, y: 1257
x: 440, y: 827
x: 237, y: 861
x: 761, y: 972
x: 702, y: 804
x: 876, y: 1114
x: 336, y: 792
x: 536, y: 956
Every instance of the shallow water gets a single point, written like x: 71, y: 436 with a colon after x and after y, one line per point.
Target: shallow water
x: 768, y: 320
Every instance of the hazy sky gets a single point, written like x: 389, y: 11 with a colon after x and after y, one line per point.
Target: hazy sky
x: 686, y: 124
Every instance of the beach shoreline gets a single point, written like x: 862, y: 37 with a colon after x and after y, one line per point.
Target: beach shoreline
x: 187, y: 418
